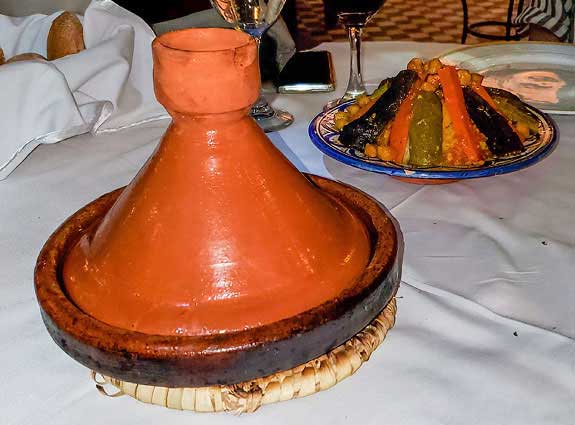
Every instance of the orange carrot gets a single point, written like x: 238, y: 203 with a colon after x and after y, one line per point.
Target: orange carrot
x: 480, y: 90
x: 455, y: 103
x: 399, y: 134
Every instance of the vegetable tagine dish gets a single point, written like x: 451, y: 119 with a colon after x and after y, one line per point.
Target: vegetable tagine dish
x: 435, y: 115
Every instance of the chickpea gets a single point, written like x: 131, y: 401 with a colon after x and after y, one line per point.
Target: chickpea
x: 477, y: 78
x: 341, y: 119
x: 383, y: 138
x: 416, y: 65
x: 427, y: 87
x: 464, y: 77
x: 362, y: 100
x: 425, y: 67
x: 340, y: 123
x: 352, y: 109
x: 434, y: 65
x: 370, y: 150
x: 386, y: 153
x: 433, y: 79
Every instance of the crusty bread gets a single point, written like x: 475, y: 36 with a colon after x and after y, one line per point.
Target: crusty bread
x: 26, y: 57
x: 2, y: 60
x: 65, y: 36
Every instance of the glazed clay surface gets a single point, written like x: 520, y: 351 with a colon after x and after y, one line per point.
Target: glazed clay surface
x: 218, y: 232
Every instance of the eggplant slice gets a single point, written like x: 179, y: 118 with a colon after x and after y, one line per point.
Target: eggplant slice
x: 366, y: 128
x: 501, y: 139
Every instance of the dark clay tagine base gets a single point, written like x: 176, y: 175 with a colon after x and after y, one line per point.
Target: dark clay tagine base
x: 223, y: 359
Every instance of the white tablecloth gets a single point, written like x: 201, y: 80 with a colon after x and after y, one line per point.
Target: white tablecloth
x: 486, y: 315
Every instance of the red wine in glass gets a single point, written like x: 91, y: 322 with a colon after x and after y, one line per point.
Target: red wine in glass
x: 354, y: 15
x: 356, y: 12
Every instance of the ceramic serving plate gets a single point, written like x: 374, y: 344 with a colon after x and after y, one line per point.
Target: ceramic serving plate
x: 541, y: 74
x: 325, y: 137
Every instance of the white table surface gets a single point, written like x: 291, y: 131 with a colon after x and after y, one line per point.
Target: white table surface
x: 486, y: 310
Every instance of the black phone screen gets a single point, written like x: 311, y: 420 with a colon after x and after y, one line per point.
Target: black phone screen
x: 307, y: 72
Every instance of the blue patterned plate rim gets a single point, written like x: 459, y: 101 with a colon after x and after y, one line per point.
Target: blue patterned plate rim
x: 324, y: 136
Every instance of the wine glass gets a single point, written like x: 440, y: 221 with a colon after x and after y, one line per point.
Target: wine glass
x: 354, y: 14
x: 255, y: 17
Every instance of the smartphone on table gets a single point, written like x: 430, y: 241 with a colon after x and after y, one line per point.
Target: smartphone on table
x: 307, y: 72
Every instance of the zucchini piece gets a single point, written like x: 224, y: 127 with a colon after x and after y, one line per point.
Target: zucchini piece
x: 366, y: 128
x: 382, y: 88
x: 514, y: 109
x: 501, y: 139
x: 425, y: 130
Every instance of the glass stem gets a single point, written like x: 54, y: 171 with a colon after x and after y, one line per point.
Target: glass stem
x: 355, y: 86
x: 261, y: 109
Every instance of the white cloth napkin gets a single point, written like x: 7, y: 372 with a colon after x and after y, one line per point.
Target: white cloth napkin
x: 106, y: 87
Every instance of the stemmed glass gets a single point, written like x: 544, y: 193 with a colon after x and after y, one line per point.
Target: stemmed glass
x: 255, y: 17
x: 354, y: 14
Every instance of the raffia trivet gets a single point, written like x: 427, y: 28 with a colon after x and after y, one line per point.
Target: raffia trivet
x: 316, y: 375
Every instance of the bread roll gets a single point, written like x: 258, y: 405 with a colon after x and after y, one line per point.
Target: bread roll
x: 65, y: 36
x: 26, y: 57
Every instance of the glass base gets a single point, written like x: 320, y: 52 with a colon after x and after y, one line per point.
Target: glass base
x: 274, y: 122
x: 347, y: 96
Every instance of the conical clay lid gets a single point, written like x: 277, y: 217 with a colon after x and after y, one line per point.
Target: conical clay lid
x: 218, y: 232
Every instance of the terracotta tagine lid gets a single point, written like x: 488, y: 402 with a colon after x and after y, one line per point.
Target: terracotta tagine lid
x: 220, y: 261
x: 218, y: 232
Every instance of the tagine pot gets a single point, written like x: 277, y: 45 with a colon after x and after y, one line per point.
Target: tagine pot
x: 220, y: 262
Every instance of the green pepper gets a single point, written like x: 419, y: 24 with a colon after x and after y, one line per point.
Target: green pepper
x: 425, y: 130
